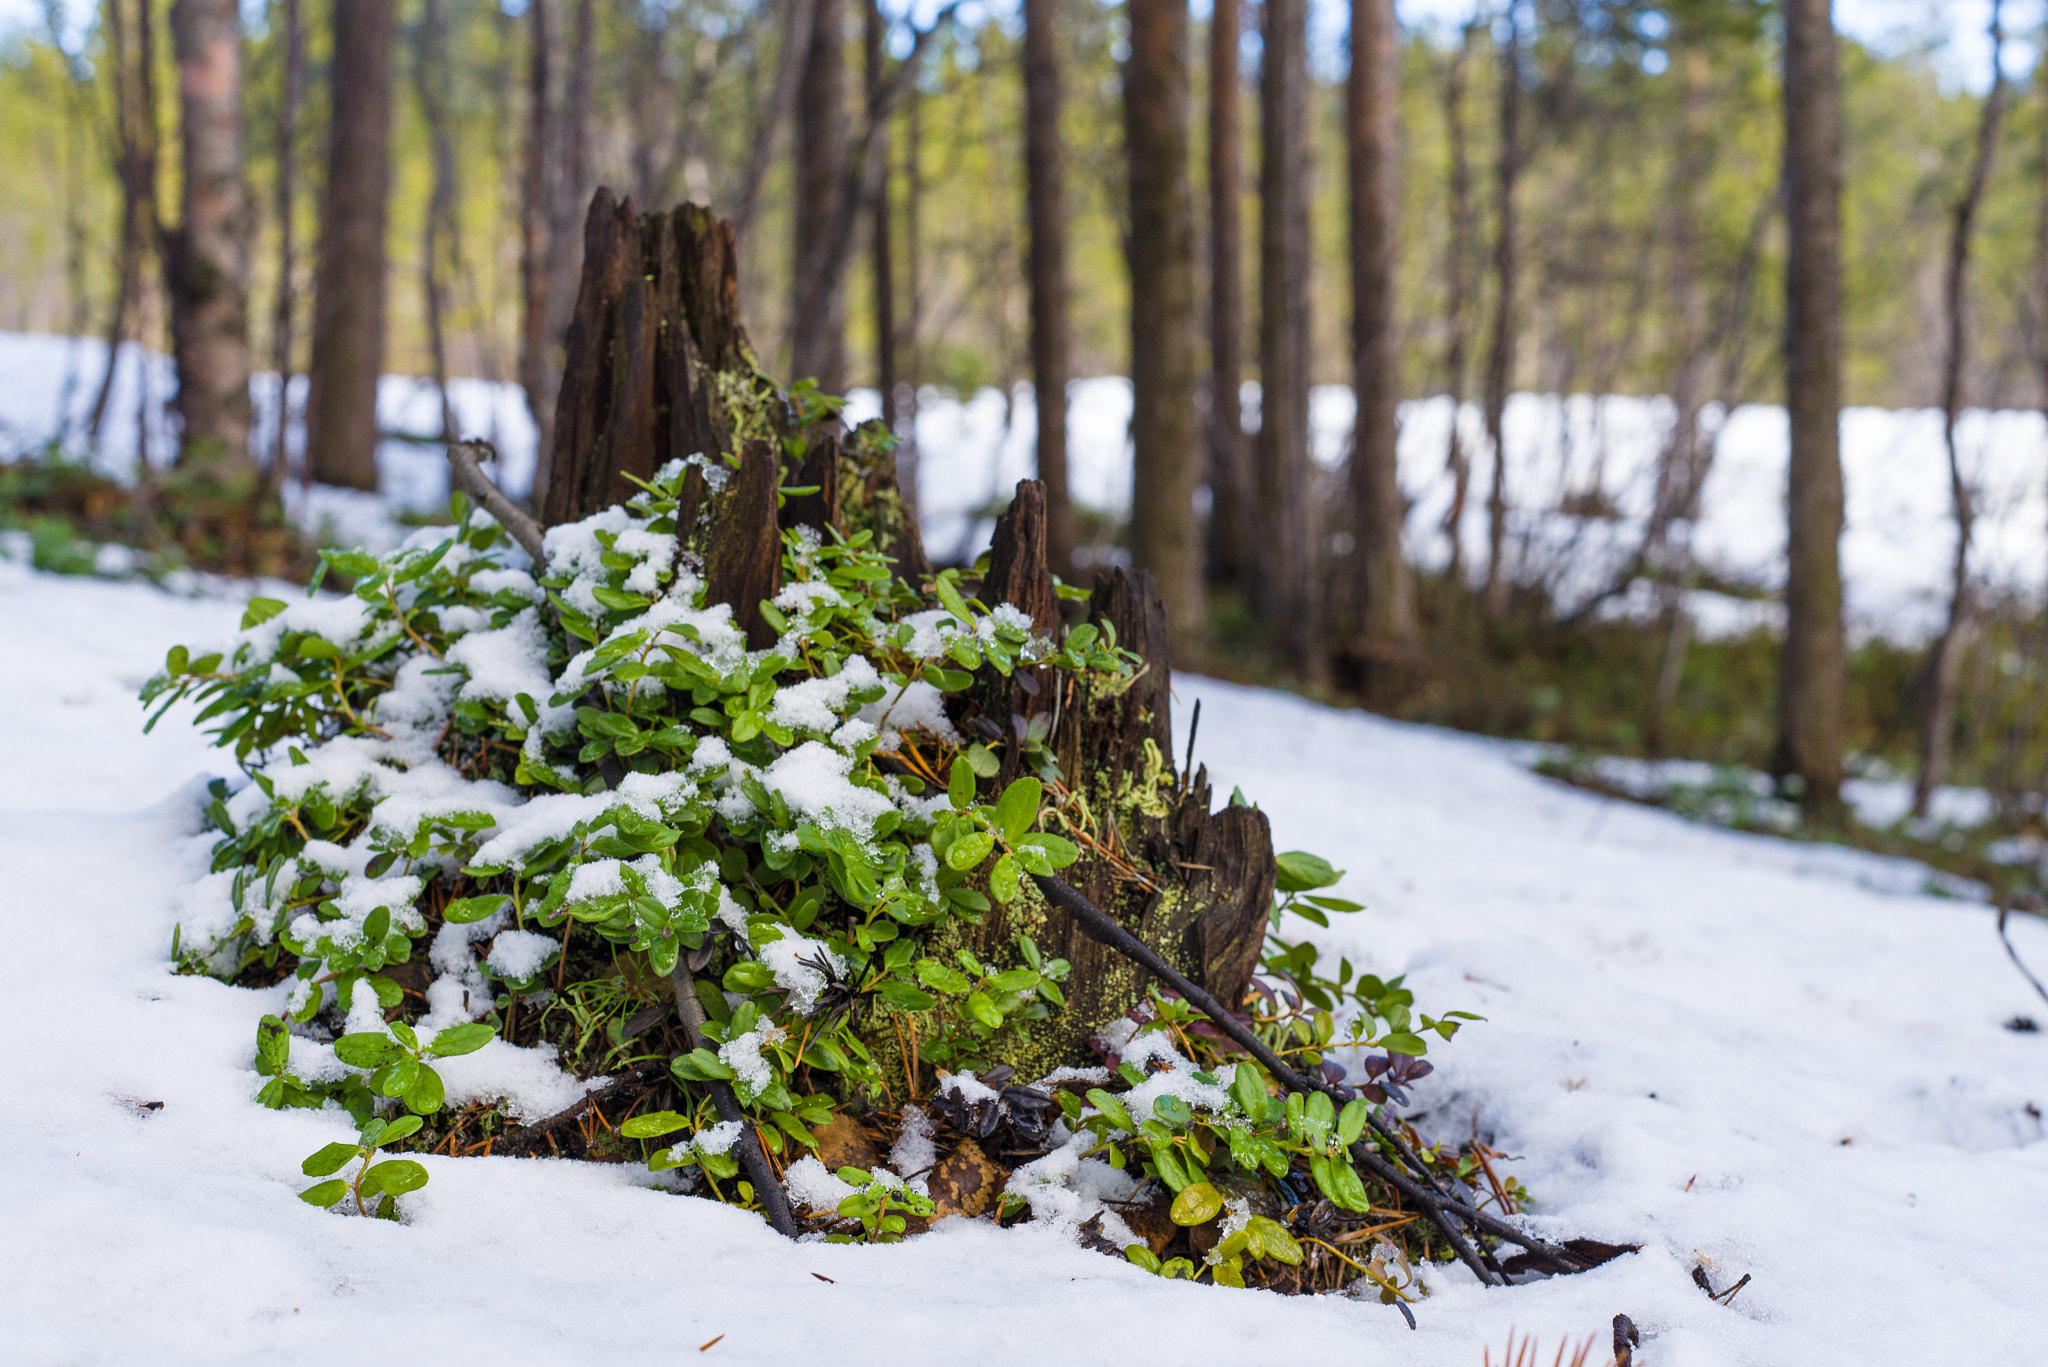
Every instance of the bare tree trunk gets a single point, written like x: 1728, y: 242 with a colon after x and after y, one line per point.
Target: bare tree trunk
x: 1161, y: 251
x: 1458, y: 307
x: 1372, y: 111
x: 535, y: 246
x: 135, y: 139
x: 881, y: 239
x: 828, y: 224
x: 348, y: 290
x: 1233, y: 503
x: 1289, y: 584
x: 1500, y: 358
x: 2038, y: 294
x: 817, y: 326
x: 1948, y: 648
x: 913, y: 318
x: 782, y: 99
x: 1046, y: 210
x: 1812, y: 677
x: 207, y: 254
x: 653, y: 95
x: 438, y: 241
x: 1666, y: 551
x: 284, y: 315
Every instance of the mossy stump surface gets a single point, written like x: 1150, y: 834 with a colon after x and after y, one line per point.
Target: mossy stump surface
x: 659, y: 368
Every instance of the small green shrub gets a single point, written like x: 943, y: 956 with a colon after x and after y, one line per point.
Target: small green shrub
x: 593, y: 772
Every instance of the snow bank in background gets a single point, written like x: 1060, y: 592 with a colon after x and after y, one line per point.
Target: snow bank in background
x: 1895, y: 553
x: 1719, y: 1046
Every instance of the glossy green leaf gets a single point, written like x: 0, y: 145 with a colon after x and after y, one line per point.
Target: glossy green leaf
x: 461, y: 1039
x: 1197, y: 1204
x: 367, y: 1049
x: 1017, y: 808
x: 330, y: 1159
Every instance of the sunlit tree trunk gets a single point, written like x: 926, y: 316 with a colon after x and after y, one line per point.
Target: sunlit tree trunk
x: 348, y: 292
x: 1372, y: 109
x: 284, y: 316
x: 1164, y: 431
x: 207, y: 254
x: 1233, y: 515
x: 1812, y: 676
x: 1458, y: 306
x: 1500, y: 357
x: 881, y: 239
x: 1946, y: 660
x: 817, y: 325
x: 1289, y: 586
x: 1046, y: 210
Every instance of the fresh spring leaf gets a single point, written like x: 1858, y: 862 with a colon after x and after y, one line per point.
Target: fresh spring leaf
x: 367, y: 1049
x: 1197, y: 1204
x: 330, y: 1159
x: 395, y: 1176
x: 969, y: 850
x: 1017, y: 809
x: 653, y: 1124
x: 464, y: 910
x: 461, y: 1039
x: 1300, y: 872
x: 960, y: 786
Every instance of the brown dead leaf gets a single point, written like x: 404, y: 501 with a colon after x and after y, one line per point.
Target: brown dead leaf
x: 965, y: 1182
x: 842, y: 1143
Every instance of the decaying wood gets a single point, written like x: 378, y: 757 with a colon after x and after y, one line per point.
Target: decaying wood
x: 1195, y: 885
x: 659, y: 368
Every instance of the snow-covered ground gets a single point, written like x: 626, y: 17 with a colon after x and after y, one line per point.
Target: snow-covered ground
x: 1773, y: 1058
x: 1895, y: 552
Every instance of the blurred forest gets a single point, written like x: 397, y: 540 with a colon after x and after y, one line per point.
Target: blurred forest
x: 1715, y: 201
x: 1613, y: 90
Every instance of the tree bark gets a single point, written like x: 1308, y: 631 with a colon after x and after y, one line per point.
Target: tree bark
x: 1500, y: 359
x: 207, y: 254
x: 348, y: 291
x: 1372, y: 107
x: 438, y: 240
x: 1812, y: 675
x: 1458, y: 307
x: 135, y: 138
x: 1666, y: 551
x: 881, y: 240
x: 796, y: 46
x: 913, y: 318
x: 818, y: 295
x: 284, y: 317
x: 1194, y: 884
x: 1046, y: 211
x: 1946, y: 660
x: 1161, y: 251
x: 535, y: 232
x: 1289, y: 584
x: 1233, y: 500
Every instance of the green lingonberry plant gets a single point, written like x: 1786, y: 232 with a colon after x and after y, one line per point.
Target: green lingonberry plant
x: 376, y: 1186
x: 486, y: 805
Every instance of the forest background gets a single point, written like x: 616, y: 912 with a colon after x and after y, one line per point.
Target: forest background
x: 679, y: 88
x: 1617, y: 163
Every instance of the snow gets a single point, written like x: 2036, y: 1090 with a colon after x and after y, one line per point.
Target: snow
x: 1684, y: 1026
x: 517, y: 955
x: 813, y: 779
x: 1895, y: 552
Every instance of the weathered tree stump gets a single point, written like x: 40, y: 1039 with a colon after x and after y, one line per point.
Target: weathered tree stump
x: 659, y: 368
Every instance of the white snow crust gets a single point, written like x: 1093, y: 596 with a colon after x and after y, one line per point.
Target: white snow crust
x: 1684, y: 1028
